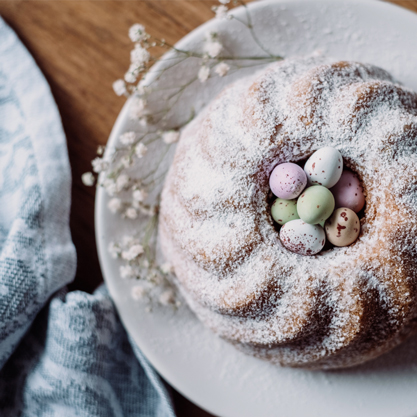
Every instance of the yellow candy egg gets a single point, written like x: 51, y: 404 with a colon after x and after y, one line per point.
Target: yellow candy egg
x: 343, y: 227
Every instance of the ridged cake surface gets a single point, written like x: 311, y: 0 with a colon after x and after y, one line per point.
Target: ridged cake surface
x: 335, y: 309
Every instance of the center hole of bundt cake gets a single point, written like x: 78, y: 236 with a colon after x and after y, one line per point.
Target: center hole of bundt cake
x: 316, y: 203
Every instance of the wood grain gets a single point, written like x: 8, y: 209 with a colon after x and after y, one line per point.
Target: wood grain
x: 82, y: 47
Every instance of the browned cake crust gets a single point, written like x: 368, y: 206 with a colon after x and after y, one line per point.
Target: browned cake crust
x: 343, y: 306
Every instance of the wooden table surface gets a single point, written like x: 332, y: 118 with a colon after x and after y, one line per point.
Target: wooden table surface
x: 82, y: 47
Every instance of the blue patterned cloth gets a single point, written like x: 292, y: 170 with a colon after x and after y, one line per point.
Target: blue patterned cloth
x: 61, y: 354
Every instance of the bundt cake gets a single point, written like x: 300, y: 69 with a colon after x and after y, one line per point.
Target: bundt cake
x: 335, y: 309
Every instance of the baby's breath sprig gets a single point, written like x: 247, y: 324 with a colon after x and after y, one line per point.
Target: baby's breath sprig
x: 113, y: 171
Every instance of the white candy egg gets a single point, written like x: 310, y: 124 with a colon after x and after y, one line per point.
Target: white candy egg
x: 302, y: 238
x: 324, y: 167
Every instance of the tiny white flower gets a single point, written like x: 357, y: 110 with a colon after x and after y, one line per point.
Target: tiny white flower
x: 131, y: 213
x: 166, y: 268
x: 114, y: 250
x: 99, y: 164
x: 88, y: 179
x: 142, y: 89
x: 132, y: 73
x: 213, y: 48
x: 100, y: 150
x: 126, y: 271
x: 132, y: 253
x: 170, y: 136
x: 221, y: 11
x: 147, y: 211
x: 138, y: 108
x: 139, y: 195
x: 139, y: 56
x: 130, y: 77
x: 222, y: 69
x: 224, y: 1
x: 114, y: 205
x: 137, y: 33
x: 110, y: 186
x: 127, y: 138
x: 157, y: 279
x: 119, y: 87
x: 126, y: 161
x: 128, y: 241
x: 143, y: 121
x: 167, y: 297
x: 203, y: 74
x: 138, y: 292
x: 122, y: 181
x: 141, y: 150
x: 145, y: 263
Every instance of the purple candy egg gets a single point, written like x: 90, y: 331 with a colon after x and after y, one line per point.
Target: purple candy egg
x: 348, y: 192
x: 287, y: 181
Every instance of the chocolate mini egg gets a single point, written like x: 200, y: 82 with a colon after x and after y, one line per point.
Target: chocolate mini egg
x: 315, y: 204
x: 283, y: 211
x: 343, y: 227
x: 348, y: 192
x: 287, y: 181
x: 324, y: 167
x: 302, y: 238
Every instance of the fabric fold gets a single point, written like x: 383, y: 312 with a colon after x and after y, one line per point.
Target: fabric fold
x: 61, y: 354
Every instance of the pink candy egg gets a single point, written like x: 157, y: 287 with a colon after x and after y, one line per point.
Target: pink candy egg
x: 348, y: 192
x: 287, y: 181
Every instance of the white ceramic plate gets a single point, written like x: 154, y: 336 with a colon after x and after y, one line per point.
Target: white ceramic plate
x: 202, y: 367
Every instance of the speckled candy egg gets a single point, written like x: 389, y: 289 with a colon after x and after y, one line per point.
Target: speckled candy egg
x: 343, y: 227
x: 348, y: 192
x: 315, y: 204
x: 324, y: 167
x: 283, y: 211
x: 302, y: 238
x: 287, y: 181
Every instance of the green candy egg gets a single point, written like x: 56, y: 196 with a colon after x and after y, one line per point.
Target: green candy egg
x: 283, y: 211
x: 315, y: 204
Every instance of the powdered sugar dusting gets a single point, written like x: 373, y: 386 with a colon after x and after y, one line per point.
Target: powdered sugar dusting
x: 340, y: 307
